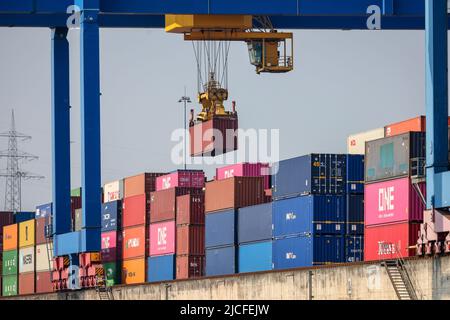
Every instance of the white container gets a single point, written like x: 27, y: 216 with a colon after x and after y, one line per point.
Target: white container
x: 26, y: 259
x: 44, y: 252
x: 113, y: 191
x: 356, y: 142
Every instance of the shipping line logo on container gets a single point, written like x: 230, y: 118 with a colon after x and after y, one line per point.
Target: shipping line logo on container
x: 255, y: 145
x: 386, y: 202
x: 133, y: 243
x: 162, y: 236
x: 166, y: 183
x: 386, y: 248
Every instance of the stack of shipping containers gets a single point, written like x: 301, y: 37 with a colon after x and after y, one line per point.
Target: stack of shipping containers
x: 222, y: 200
x: 135, y: 224
x: 190, y: 236
x: 6, y: 218
x: 163, y: 226
x: 27, y: 257
x: 10, y: 285
x: 393, y: 208
x: 112, y: 232
x: 354, y: 219
x: 309, y: 210
x: 44, y: 249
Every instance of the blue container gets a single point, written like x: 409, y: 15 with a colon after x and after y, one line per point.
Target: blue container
x: 305, y: 251
x: 355, y: 214
x: 255, y: 223
x: 255, y: 257
x: 310, y: 174
x: 23, y: 216
x: 44, y: 211
x: 312, y: 214
x: 111, y: 215
x: 221, y: 261
x: 354, y: 248
x: 161, y: 268
x: 355, y: 173
x: 220, y: 229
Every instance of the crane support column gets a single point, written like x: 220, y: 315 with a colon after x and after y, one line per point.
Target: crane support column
x: 438, y: 179
x: 90, y: 126
x: 60, y: 132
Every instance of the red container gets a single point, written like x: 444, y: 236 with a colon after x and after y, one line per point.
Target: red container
x: 234, y: 193
x: 162, y: 238
x: 140, y: 184
x: 414, y: 124
x: 44, y: 282
x: 392, y: 201
x: 111, y: 246
x: 214, y: 137
x: 191, y: 209
x: 135, y: 211
x: 163, y: 203
x: 26, y: 283
x: 387, y: 241
x: 181, y: 178
x: 245, y: 170
x: 134, y: 242
x: 40, y: 229
x: 190, y: 267
x: 190, y: 240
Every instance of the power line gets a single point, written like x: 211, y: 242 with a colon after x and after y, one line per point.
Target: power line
x: 13, y: 174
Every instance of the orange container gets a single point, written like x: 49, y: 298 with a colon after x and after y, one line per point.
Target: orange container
x: 417, y: 124
x: 134, y: 242
x: 234, y: 193
x: 140, y: 184
x: 133, y: 271
x: 10, y: 237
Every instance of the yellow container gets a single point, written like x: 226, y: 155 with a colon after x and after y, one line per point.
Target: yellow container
x: 178, y: 23
x: 26, y: 233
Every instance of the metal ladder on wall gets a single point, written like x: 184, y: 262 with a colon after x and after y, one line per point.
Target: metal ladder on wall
x: 400, y: 277
x: 49, y: 246
x: 104, y: 292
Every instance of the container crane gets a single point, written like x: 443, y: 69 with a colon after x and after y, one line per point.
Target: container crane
x: 431, y: 15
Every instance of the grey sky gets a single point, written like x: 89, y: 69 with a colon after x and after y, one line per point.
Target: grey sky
x: 344, y: 82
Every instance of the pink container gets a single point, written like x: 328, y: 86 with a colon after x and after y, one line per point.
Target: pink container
x: 111, y: 246
x: 162, y: 238
x: 392, y: 201
x: 181, y: 178
x: 245, y: 170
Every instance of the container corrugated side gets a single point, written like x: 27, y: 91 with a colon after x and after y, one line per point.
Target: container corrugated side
x: 355, y: 174
x: 356, y: 143
x: 255, y: 223
x: 220, y: 229
x: 393, y: 157
x: 221, y: 261
x: 190, y: 209
x: 27, y: 283
x: 134, y: 271
x: 354, y: 214
x: 161, y: 268
x: 190, y: 267
x: 354, y: 248
x: 312, y: 214
x: 254, y: 257
x: 190, y: 240
x: 233, y: 193
x: 245, y: 170
x: 162, y: 238
x: 111, y: 215
x: 181, y: 178
x: 135, y: 210
x: 140, y: 184
x: 309, y: 174
x: 44, y: 282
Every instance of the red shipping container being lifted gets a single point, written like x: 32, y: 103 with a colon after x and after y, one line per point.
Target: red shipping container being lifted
x: 190, y: 240
x: 191, y: 209
x: 391, y: 240
x: 214, y: 137
x: 393, y: 201
x: 181, y: 178
x: 234, y: 193
x: 163, y: 203
x: 190, y: 267
x: 136, y: 210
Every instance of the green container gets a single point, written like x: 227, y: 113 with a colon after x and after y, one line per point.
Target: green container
x: 10, y: 286
x: 10, y: 259
x: 75, y: 192
x: 113, y: 273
